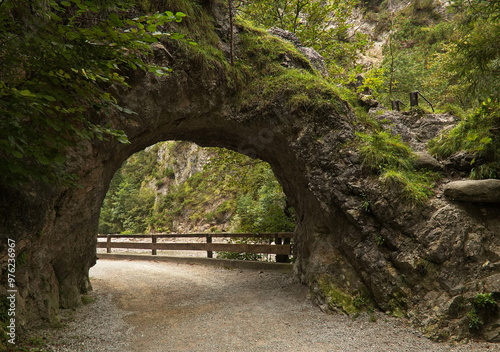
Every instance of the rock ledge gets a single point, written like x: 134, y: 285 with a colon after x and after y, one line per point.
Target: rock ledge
x: 487, y: 191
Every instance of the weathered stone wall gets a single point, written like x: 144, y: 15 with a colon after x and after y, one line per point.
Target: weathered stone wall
x: 422, y: 262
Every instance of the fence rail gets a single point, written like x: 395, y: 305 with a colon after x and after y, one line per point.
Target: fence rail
x: 282, y: 246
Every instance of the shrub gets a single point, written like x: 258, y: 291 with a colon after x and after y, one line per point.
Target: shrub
x: 484, y: 307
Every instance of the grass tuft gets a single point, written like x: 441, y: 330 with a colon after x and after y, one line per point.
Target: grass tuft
x: 415, y: 187
x: 381, y: 150
x: 477, y: 134
x: 393, y: 160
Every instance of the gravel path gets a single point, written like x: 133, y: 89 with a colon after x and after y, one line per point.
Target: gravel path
x: 155, y: 306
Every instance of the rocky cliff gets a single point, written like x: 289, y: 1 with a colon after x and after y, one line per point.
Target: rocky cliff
x: 359, y: 243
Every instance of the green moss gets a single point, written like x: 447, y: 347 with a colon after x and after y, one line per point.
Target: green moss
x: 338, y: 299
x: 297, y: 90
x: 86, y: 299
x: 396, y: 311
x: 397, y: 305
x: 261, y: 61
x: 265, y: 52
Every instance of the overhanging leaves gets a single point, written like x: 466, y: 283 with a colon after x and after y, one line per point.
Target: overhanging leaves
x: 57, y: 61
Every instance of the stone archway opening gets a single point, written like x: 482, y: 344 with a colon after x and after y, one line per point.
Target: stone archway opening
x: 179, y: 187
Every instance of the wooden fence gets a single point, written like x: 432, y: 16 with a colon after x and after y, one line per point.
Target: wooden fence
x: 282, y: 246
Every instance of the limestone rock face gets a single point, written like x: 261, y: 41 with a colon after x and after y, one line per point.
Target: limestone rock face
x: 356, y: 241
x: 474, y: 191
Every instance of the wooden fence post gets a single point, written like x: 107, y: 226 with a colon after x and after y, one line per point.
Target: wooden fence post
x: 108, y: 244
x: 153, y: 241
x: 413, y: 99
x: 210, y: 254
x: 395, y: 105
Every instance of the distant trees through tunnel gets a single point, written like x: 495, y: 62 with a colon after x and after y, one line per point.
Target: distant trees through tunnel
x: 179, y: 187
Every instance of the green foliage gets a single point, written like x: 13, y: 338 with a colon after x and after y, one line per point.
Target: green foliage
x: 476, y: 62
x: 484, y: 307
x: 58, y: 61
x: 322, y: 25
x: 450, y: 60
x: 475, y: 322
x: 393, y: 160
x: 373, y: 80
x: 379, y: 240
x: 129, y: 202
x: 230, y: 186
x: 264, y: 208
x: 417, y: 33
x: 416, y: 187
x: 477, y: 134
x: 484, y: 300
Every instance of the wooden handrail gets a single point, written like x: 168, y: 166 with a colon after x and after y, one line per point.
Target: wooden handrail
x: 282, y: 251
x: 220, y: 247
x: 200, y: 235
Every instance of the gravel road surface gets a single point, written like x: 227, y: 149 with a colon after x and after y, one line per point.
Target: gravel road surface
x: 143, y: 306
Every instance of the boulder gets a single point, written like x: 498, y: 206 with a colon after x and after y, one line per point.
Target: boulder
x: 487, y: 191
x: 426, y: 161
x: 317, y: 61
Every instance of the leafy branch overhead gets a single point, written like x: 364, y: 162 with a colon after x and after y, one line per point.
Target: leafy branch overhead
x: 58, y: 61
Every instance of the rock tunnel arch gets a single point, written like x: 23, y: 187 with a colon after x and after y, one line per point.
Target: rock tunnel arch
x: 194, y: 104
x: 291, y: 118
